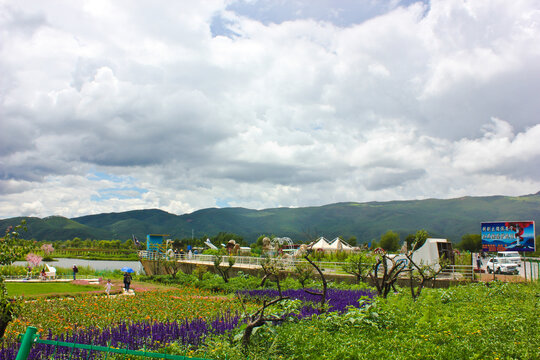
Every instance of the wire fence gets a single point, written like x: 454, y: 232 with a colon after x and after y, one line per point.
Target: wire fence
x: 531, y: 268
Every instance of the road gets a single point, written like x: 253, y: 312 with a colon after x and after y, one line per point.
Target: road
x: 524, y: 269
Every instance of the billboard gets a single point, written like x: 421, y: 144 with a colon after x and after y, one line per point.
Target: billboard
x: 508, y: 236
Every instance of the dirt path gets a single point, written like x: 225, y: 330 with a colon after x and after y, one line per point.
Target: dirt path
x: 138, y: 286
x: 506, y: 278
x: 118, y: 286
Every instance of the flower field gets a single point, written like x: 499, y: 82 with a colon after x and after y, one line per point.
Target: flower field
x: 149, y: 320
x: 476, y: 321
x: 98, y: 312
x: 146, y: 334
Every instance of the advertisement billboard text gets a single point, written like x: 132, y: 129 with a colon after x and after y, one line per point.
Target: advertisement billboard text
x: 508, y: 236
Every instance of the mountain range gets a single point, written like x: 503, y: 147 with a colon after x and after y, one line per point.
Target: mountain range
x: 448, y: 218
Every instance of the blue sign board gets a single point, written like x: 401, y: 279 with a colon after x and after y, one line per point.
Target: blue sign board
x: 508, y: 236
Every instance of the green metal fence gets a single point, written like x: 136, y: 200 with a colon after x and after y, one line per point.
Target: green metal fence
x: 30, y: 338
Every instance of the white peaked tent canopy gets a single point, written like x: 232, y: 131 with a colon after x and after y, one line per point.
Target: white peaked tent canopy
x: 335, y: 245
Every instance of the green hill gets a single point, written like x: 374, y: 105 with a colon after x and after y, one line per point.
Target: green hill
x: 450, y: 219
x: 56, y: 228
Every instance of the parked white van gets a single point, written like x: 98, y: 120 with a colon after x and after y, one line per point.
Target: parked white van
x: 513, y: 256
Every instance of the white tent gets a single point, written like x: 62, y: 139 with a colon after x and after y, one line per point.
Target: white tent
x: 320, y: 244
x: 335, y: 245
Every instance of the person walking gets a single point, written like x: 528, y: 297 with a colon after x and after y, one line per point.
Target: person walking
x: 127, y: 281
x: 75, y: 271
x: 108, y: 287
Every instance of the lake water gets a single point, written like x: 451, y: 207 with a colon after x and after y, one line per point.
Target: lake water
x: 94, y: 264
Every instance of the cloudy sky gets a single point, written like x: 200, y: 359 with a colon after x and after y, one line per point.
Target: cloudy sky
x: 109, y: 106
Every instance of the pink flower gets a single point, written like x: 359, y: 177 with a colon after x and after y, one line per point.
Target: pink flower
x: 33, y: 259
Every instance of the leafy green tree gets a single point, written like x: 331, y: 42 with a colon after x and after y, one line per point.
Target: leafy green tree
x: 352, y: 241
x: 129, y: 244
x: 390, y: 241
x: 420, y: 238
x: 223, y: 271
x: 537, y: 245
x: 359, y: 265
x: 9, y: 309
x: 224, y: 237
x: 179, y: 244
x: 409, y: 240
x: 11, y: 248
x: 471, y: 242
x: 259, y: 241
x: 76, y: 242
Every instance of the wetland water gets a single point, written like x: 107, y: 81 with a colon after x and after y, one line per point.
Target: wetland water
x: 94, y: 264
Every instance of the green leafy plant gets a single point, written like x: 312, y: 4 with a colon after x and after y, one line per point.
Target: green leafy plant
x: 9, y: 308
x: 223, y: 271
x: 359, y: 265
x: 11, y: 248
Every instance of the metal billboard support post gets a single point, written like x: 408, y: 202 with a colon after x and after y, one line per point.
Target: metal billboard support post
x: 26, y: 344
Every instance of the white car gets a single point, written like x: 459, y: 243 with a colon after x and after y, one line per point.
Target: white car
x: 501, y: 266
x: 513, y: 256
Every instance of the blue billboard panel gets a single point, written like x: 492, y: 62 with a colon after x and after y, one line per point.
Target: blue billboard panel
x: 508, y: 236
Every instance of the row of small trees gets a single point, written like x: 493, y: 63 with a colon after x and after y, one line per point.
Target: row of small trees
x: 379, y: 268
x: 78, y: 243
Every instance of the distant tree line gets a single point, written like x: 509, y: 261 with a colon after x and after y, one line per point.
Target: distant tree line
x: 389, y: 241
x: 78, y: 243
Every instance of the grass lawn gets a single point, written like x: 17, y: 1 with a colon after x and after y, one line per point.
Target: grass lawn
x: 37, y: 289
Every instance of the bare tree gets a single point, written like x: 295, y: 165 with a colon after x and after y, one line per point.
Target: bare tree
x: 322, y: 294
x: 172, y: 267
x: 223, y: 271
x: 304, y: 272
x: 420, y: 273
x: 391, y: 269
x: 271, y: 268
x: 259, y: 318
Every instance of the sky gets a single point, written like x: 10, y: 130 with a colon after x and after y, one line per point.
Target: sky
x: 110, y: 106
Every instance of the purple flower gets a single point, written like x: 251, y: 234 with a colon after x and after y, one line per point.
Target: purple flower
x: 130, y: 335
x: 337, y: 300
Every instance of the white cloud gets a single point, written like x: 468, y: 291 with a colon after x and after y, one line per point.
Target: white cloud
x: 500, y: 151
x: 288, y: 110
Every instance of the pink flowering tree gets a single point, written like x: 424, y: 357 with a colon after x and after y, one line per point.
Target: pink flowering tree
x: 47, y: 249
x: 33, y: 259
